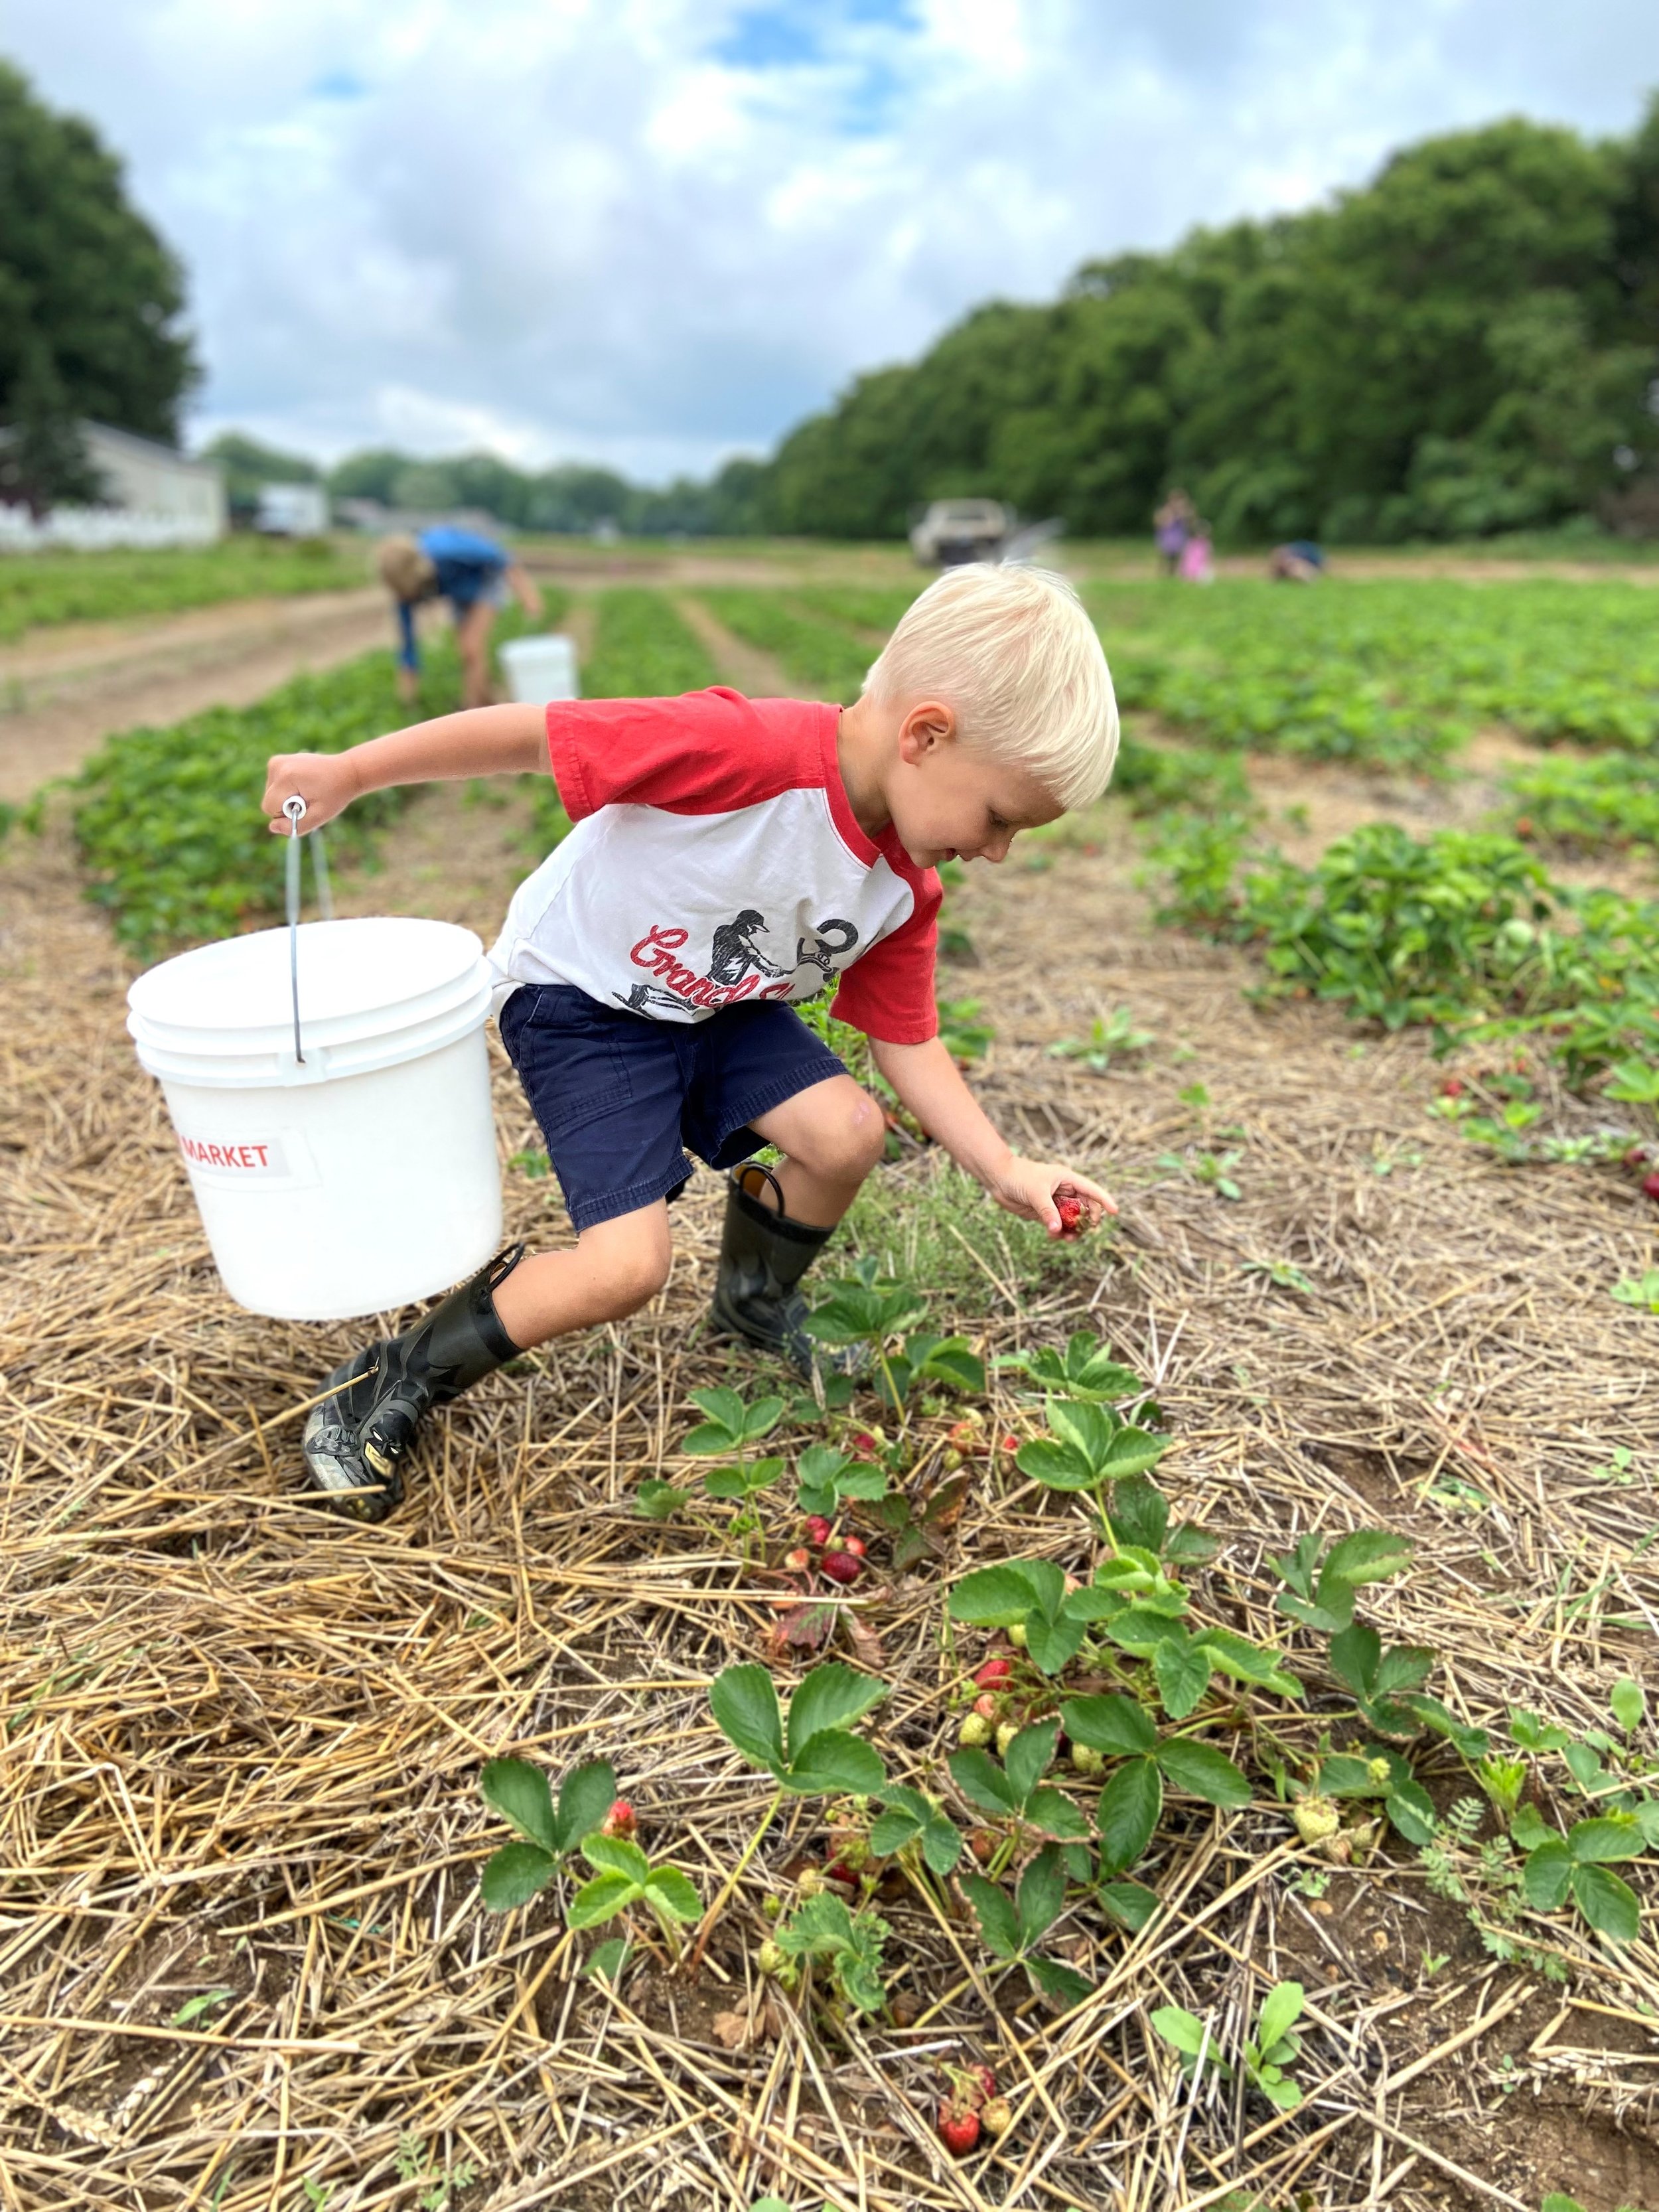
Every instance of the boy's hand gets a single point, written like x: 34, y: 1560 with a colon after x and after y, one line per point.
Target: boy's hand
x: 326, y: 782
x: 1031, y: 1189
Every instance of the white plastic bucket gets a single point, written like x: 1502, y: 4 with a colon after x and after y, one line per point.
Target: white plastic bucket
x: 540, y: 669
x: 364, y: 1175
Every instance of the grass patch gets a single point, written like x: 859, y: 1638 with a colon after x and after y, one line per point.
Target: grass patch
x: 39, y: 589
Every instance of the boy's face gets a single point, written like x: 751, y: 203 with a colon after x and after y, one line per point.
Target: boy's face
x: 949, y: 802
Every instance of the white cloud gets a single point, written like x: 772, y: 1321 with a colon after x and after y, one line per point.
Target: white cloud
x: 654, y: 231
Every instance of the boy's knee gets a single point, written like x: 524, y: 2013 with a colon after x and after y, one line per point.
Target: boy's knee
x: 632, y: 1270
x: 850, y: 1143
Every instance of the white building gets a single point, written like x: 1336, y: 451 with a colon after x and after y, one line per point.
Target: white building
x: 154, y: 496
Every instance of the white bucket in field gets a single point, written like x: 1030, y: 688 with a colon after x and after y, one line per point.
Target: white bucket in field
x: 363, y: 1174
x: 540, y: 669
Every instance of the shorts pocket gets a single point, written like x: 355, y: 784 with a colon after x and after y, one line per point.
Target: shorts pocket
x: 572, y: 1065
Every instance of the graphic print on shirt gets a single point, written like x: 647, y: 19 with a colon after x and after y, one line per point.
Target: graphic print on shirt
x: 735, y: 965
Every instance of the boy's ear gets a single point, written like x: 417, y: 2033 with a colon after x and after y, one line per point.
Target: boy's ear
x: 926, y: 725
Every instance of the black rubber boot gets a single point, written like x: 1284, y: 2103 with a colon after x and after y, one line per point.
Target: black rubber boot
x: 353, y: 1440
x: 763, y: 1256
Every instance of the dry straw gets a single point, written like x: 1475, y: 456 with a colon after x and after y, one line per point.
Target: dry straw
x: 243, y: 1741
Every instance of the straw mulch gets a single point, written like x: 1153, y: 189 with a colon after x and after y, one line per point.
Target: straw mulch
x: 243, y: 1741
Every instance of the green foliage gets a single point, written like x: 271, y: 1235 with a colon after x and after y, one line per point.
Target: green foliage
x: 623, y: 1877
x: 813, y: 1753
x: 521, y: 1794
x: 1590, y: 806
x: 1395, y: 673
x: 1013, y: 1926
x: 908, y: 1818
x: 822, y: 658
x: 90, y: 303
x: 1323, y: 1579
x: 1464, y: 930
x: 1266, y: 2057
x: 1109, y: 1035
x: 824, y: 1928
x: 1084, y: 1371
x: 1456, y: 349
x: 168, y: 821
x: 829, y: 1479
x: 117, y: 585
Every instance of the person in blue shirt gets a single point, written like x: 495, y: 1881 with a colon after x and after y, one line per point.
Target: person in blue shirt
x: 475, y: 575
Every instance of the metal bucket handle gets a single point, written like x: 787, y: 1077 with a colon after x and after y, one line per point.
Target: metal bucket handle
x: 295, y: 809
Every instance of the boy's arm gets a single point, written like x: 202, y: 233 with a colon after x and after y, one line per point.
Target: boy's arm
x: 929, y: 1082
x: 481, y: 741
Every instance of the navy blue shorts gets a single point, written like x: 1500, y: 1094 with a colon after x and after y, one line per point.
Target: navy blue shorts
x: 621, y: 1098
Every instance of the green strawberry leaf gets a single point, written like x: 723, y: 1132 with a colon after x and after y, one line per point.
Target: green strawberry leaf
x: 515, y: 1874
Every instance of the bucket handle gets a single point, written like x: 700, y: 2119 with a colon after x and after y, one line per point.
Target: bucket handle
x: 295, y: 809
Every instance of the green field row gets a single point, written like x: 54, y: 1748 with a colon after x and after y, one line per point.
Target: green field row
x: 39, y: 589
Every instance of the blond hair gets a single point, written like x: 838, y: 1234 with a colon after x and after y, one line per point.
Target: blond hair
x: 405, y: 570
x: 1011, y: 650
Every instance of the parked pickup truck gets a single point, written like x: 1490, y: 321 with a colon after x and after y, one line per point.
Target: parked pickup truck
x: 957, y: 530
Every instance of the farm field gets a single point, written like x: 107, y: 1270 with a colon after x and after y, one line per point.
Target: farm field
x: 1343, y: 1437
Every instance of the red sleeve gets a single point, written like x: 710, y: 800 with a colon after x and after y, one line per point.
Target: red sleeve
x: 888, y: 992
x: 706, y: 752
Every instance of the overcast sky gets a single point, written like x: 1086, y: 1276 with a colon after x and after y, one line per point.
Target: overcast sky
x: 658, y: 232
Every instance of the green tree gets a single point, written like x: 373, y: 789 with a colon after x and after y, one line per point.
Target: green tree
x: 248, y: 464
x: 90, y: 301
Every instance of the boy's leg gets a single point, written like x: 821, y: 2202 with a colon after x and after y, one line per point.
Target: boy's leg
x: 831, y: 1135
x: 353, y: 1440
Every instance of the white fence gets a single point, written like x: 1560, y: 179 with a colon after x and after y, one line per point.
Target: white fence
x: 98, y: 530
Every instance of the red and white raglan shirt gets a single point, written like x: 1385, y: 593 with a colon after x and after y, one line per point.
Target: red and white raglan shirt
x: 715, y: 860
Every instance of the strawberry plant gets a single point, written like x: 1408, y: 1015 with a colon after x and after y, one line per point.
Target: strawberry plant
x: 521, y: 1794
x: 1084, y: 1371
x: 909, y: 1820
x: 1387, y: 1688
x: 824, y: 1930
x: 812, y: 1750
x: 1109, y: 1035
x: 52, y: 587
x: 1322, y: 1579
x: 829, y: 1480
x: 1089, y: 1448
x: 729, y: 1428
x: 1013, y: 1926
x: 1267, y: 2055
x: 623, y: 1877
x: 1015, y: 1791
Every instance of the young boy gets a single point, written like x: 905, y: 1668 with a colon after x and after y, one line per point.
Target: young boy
x: 729, y: 856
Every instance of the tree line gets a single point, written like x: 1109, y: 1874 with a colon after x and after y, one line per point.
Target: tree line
x: 1467, y: 344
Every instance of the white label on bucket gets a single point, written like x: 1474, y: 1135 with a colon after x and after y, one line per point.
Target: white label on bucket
x: 241, y: 1155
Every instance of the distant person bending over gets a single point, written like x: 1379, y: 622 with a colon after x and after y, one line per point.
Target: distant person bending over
x: 475, y: 575
x: 1172, y: 526
x: 1300, y: 562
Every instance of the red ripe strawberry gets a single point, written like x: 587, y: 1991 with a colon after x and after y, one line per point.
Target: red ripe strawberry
x: 1650, y: 1186
x: 818, y: 1530
x: 1524, y: 826
x: 979, y: 2083
x: 620, y: 1821
x: 841, y: 1566
x: 992, y: 1674
x: 865, y: 1446
x: 855, y: 1545
x: 1636, y: 1159
x: 1011, y: 1445
x: 958, y: 2127
x: 1452, y: 1087
x: 1073, y: 1218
